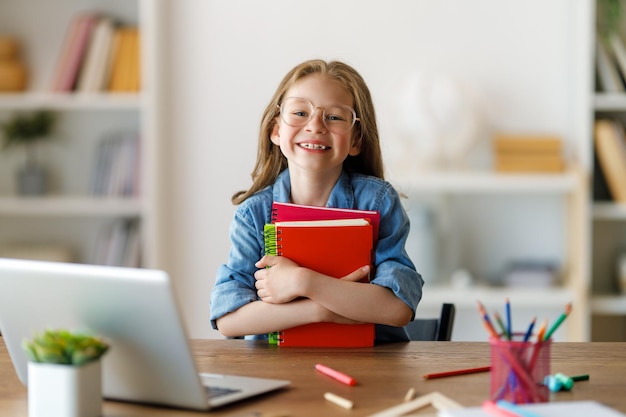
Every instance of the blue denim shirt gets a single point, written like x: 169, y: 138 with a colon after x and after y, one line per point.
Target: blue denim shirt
x: 234, y: 285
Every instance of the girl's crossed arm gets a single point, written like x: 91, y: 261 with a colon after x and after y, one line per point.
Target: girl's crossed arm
x: 285, y: 281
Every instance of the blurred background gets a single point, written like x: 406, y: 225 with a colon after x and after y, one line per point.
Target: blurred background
x: 128, y: 125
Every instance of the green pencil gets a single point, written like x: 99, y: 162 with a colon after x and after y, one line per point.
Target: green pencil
x: 501, y: 325
x: 557, y: 323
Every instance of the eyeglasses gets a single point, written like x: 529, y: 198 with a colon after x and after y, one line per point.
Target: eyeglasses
x: 297, y: 112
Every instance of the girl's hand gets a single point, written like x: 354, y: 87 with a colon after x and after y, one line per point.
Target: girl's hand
x: 279, y: 279
x: 358, y: 275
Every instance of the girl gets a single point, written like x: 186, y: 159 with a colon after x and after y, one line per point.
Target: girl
x: 318, y: 145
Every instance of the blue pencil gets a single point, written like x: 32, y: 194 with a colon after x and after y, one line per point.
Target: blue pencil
x: 529, y: 332
x: 509, y: 325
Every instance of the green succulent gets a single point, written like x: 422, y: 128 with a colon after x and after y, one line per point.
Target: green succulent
x: 64, y: 347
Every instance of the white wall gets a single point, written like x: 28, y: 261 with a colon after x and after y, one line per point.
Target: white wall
x: 225, y: 59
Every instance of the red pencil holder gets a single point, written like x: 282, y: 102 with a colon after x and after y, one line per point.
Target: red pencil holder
x: 518, y: 369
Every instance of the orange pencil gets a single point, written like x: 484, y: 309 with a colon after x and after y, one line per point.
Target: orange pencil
x: 486, y: 321
x: 535, y: 355
x: 542, y: 330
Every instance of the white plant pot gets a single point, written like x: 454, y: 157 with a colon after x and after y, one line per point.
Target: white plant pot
x: 64, y: 390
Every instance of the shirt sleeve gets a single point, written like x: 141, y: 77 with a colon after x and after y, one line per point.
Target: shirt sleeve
x: 234, y: 283
x: 394, y: 268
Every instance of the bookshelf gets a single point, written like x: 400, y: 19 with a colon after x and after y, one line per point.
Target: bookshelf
x: 607, y: 218
x: 69, y: 215
x: 480, y: 198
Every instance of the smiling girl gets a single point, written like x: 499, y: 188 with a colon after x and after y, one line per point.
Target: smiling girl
x: 318, y: 146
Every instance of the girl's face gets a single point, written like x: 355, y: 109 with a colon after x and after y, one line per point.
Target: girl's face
x: 312, y: 147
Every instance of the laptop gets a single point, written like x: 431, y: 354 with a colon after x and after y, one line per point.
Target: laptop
x: 136, y: 311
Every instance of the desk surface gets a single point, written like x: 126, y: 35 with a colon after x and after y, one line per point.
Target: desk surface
x: 384, y: 375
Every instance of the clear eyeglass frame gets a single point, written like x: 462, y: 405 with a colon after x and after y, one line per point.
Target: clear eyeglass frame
x: 298, y: 111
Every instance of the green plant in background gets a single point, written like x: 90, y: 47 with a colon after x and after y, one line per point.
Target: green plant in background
x: 64, y: 347
x: 609, y: 17
x: 26, y: 130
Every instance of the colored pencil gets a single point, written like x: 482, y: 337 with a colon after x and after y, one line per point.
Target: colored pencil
x: 501, y: 325
x: 537, y: 347
x: 557, y: 323
x: 457, y: 372
x: 486, y: 321
x: 529, y: 332
x: 509, y: 323
x: 542, y: 330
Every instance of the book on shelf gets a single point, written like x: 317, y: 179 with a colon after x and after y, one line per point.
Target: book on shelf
x: 116, y: 168
x: 528, y: 153
x: 125, y: 67
x: 332, y: 247
x: 118, y: 244
x: 608, y: 75
x: 610, y: 148
x: 511, y: 143
x: 529, y: 163
x: 73, y: 51
x: 96, y: 69
x: 600, y: 189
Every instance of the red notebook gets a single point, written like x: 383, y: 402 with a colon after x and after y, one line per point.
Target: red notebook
x: 332, y: 247
x: 287, y: 212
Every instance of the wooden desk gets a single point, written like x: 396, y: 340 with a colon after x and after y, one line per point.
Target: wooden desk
x: 385, y: 373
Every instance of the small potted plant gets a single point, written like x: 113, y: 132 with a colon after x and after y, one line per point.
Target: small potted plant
x: 28, y: 130
x: 64, y: 374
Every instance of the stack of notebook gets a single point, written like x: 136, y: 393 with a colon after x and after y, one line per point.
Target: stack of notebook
x: 334, y: 242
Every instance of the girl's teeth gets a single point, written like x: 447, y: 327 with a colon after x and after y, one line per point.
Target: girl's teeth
x: 313, y: 146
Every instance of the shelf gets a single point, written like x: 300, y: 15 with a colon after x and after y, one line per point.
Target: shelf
x: 609, y: 211
x: 609, y: 102
x: 490, y: 182
x: 609, y: 304
x: 75, y: 101
x: 520, y: 297
x: 70, y: 206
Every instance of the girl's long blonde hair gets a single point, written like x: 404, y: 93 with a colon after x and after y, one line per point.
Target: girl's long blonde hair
x: 270, y: 162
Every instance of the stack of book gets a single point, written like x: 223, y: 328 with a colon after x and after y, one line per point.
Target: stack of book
x: 98, y: 55
x: 334, y: 242
x: 528, y: 153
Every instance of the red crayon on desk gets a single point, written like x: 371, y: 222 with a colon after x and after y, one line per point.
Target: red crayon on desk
x: 339, y: 376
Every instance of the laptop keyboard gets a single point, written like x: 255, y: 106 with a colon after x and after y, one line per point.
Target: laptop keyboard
x: 214, y: 392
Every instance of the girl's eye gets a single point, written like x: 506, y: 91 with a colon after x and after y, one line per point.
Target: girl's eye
x: 334, y: 118
x: 301, y: 113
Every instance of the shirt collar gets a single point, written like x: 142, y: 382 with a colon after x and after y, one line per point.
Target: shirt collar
x: 342, y: 194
